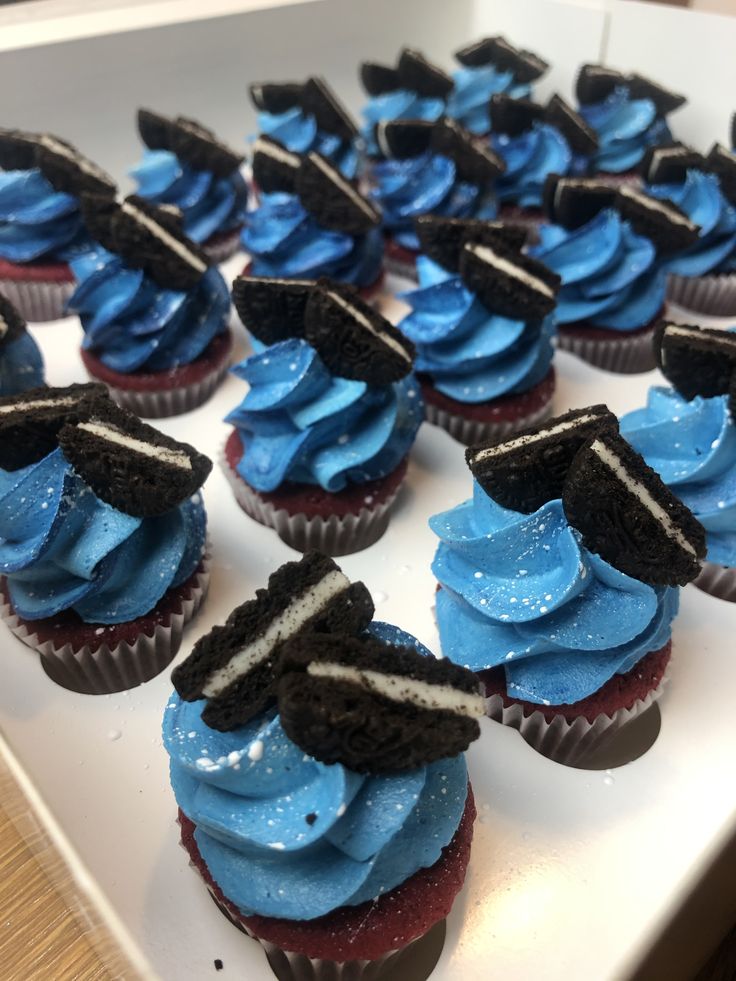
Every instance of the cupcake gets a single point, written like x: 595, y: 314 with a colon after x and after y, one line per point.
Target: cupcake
x: 321, y: 441
x: 311, y: 222
x: 489, y: 67
x: 305, y: 118
x: 21, y: 362
x: 629, y: 113
x: 558, y: 580
x: 482, y: 322
x: 431, y: 168
x: 186, y: 167
x: 687, y: 434
x: 102, y: 537
x: 41, y: 227
x: 155, y: 317
x: 414, y: 89
x: 317, y: 763
x: 610, y: 247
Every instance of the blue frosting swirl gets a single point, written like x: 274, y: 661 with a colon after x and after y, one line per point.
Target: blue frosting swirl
x: 470, y: 354
x: 63, y: 548
x: 468, y: 101
x: 391, y: 106
x: 37, y: 222
x: 250, y: 791
x: 285, y: 241
x: 521, y: 591
x: 21, y: 365
x: 610, y: 275
x: 133, y: 324
x: 300, y: 423
x: 422, y: 185
x: 530, y: 157
x: 298, y: 132
x: 692, y: 445
x: 209, y: 204
x: 625, y: 128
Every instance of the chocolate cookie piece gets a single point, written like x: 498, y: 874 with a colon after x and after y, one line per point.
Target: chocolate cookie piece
x: 378, y: 79
x: 529, y: 469
x: 695, y: 360
x: 191, y: 142
x: 732, y: 398
x: 722, y: 163
x: 320, y: 101
x: 274, y: 167
x: 30, y: 423
x: 236, y: 667
x: 145, y: 237
x: 596, y: 82
x: 669, y: 163
x: 12, y: 325
x: 513, y: 116
x: 442, y: 239
x: 18, y: 149
x: 474, y: 161
x: 129, y: 464
x: 419, y: 75
x: 529, y: 67
x: 665, y: 101
x: 666, y: 225
x: 154, y: 129
x: 353, y: 339
x: 508, y: 283
x: 272, y: 309
x: 275, y: 97
x: 63, y: 166
x: 581, y: 137
x: 332, y: 200
x: 628, y: 516
x: 574, y: 201
x: 402, y: 139
x: 373, y: 707
x: 479, y: 54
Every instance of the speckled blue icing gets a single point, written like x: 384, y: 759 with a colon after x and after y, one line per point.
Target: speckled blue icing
x: 285, y: 241
x: 391, y: 106
x: 530, y: 158
x: 63, y: 548
x: 692, y: 445
x: 298, y: 132
x: 249, y: 792
x: 700, y: 197
x: 520, y: 591
x: 470, y: 354
x: 300, y: 423
x: 422, y: 185
x: 625, y: 128
x: 209, y: 204
x: 610, y: 275
x: 468, y: 101
x: 21, y: 365
x: 37, y: 222
x: 133, y: 324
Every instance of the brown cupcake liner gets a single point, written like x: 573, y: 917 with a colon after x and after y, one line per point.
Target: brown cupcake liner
x: 469, y: 431
x: 37, y: 301
x: 222, y: 246
x: 718, y: 580
x: 713, y: 296
x: 622, y: 354
x: 104, y: 671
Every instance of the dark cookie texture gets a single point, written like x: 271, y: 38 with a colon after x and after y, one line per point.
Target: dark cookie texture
x: 129, y: 464
x: 311, y: 596
x: 190, y: 141
x: 332, y: 200
x: 402, y: 139
x: 12, y: 325
x: 696, y: 361
x: 508, y: 283
x: 529, y: 67
x: 513, y: 116
x: 30, y: 423
x: 274, y: 167
x: 573, y: 202
x: 529, y: 469
x: 145, y: 237
x: 68, y: 170
x: 474, y: 162
x: 373, y: 707
x: 669, y: 163
x: 419, y: 75
x: 665, y: 101
x: 272, y: 310
x: 275, y: 97
x: 378, y: 79
x: 478, y: 54
x: 353, y: 339
x: 596, y: 82
x: 628, y: 516
x: 722, y: 163
x: 320, y: 101
x: 17, y: 149
x: 442, y: 239
x: 581, y: 137
x: 666, y: 225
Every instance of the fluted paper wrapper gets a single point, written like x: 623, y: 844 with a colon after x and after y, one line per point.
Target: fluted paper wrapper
x: 38, y: 302
x: 713, y: 296
x: 169, y: 402
x: 718, y: 580
x: 469, y: 431
x: 623, y: 355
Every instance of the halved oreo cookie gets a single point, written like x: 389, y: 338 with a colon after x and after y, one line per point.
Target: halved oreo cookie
x: 129, y: 464
x: 236, y: 667
x: 529, y: 67
x: 733, y: 129
x: 68, y: 170
x: 628, y: 516
x: 442, y: 239
x: 665, y: 101
x: 479, y: 54
x: 18, y: 149
x: 581, y: 137
x: 666, y: 225
x: 373, y: 707
x: 275, y: 97
x: 332, y: 200
x: 402, y: 139
x: 508, y: 283
x: 154, y: 129
x: 669, y: 164
x: 194, y: 144
x: 419, y: 75
x: 513, y: 116
x: 529, y: 469
x: 271, y: 309
x: 274, y: 167
x: 696, y: 360
x: 145, y: 237
x: 30, y: 423
x: 320, y: 101
x: 474, y: 161
x: 596, y: 82
x: 722, y: 163
x: 732, y: 398
x: 12, y: 325
x: 574, y: 201
x: 353, y: 339
x: 378, y: 79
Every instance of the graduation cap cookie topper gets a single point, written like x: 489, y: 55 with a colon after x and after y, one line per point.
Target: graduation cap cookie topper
x: 525, y: 66
x: 474, y: 162
x: 12, y: 325
x: 332, y: 200
x: 442, y: 239
x: 63, y: 166
x: 696, y: 360
x: 189, y: 140
x: 669, y: 163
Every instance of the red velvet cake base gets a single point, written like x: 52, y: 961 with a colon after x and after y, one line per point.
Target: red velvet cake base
x: 623, y: 352
x: 400, y: 260
x: 36, y: 272
x: 506, y: 408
